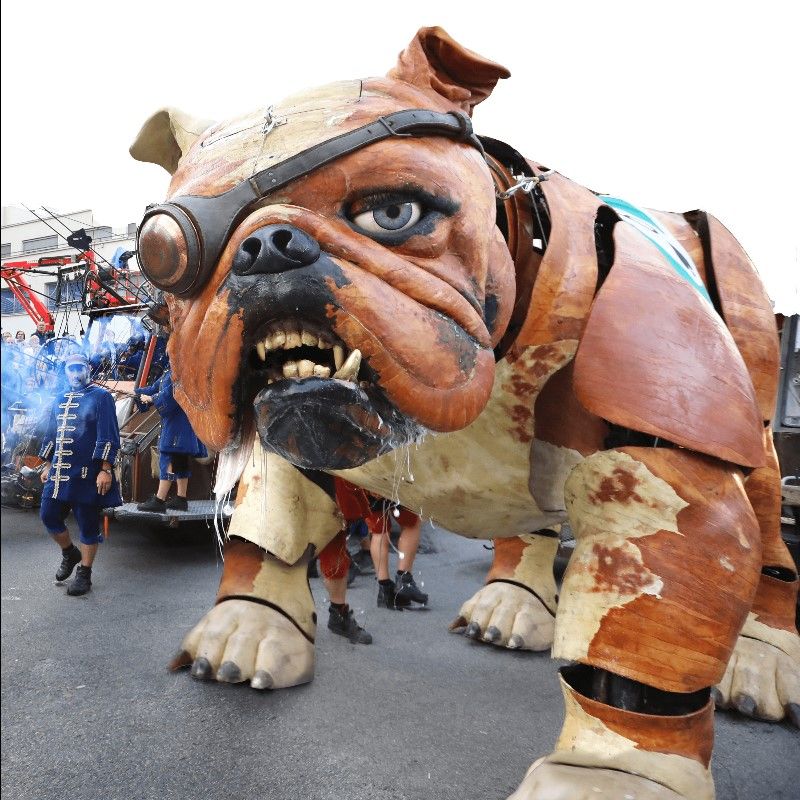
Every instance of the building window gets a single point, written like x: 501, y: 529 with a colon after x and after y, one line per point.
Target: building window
x: 42, y: 243
x: 103, y: 232
x: 6, y: 249
x: 132, y: 228
x: 71, y: 293
x: 9, y: 303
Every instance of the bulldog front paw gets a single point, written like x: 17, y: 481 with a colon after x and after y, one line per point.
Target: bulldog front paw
x: 546, y: 781
x: 240, y: 640
x: 506, y: 615
x: 760, y: 681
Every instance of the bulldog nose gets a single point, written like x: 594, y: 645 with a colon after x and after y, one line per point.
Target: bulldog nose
x: 275, y: 248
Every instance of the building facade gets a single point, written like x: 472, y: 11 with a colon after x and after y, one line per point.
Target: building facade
x: 26, y: 238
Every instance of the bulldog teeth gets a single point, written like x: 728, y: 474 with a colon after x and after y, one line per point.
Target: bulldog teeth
x: 292, y: 340
x: 338, y: 355
x: 309, y: 339
x: 261, y: 350
x: 305, y: 368
x: 349, y: 370
x: 321, y: 372
x: 290, y: 369
x: 277, y: 340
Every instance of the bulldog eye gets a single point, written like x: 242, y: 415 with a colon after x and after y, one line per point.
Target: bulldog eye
x: 389, y: 218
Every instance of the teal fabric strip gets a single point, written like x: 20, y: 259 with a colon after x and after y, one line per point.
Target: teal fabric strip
x: 676, y: 256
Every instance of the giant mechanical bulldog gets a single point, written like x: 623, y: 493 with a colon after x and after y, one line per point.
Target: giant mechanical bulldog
x: 359, y: 285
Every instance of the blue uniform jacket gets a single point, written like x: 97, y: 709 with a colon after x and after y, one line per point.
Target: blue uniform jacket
x: 177, y: 434
x: 81, y: 433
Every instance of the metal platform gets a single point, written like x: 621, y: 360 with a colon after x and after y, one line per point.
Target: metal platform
x: 198, y: 510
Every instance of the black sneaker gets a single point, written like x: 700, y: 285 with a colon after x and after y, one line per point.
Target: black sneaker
x: 154, y: 503
x: 406, y: 590
x: 71, y: 559
x: 346, y: 625
x: 387, y: 597
x: 82, y: 582
x: 177, y: 504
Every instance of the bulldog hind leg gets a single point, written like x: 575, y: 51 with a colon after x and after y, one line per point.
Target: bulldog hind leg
x: 666, y: 563
x: 516, y: 607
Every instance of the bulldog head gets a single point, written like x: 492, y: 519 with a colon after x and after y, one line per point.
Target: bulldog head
x: 333, y: 270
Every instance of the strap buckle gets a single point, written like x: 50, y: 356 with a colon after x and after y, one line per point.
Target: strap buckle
x: 524, y: 183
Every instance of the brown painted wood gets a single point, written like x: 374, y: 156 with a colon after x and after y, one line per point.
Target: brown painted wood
x: 748, y: 312
x: 567, y: 277
x: 656, y: 358
x: 688, y: 735
x: 560, y: 419
x: 681, y: 640
x: 242, y: 564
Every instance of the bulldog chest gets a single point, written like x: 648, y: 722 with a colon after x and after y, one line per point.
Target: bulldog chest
x: 492, y: 478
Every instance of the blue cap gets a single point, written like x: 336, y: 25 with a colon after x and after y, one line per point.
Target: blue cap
x: 76, y: 358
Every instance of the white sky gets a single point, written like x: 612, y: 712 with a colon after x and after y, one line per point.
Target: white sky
x: 671, y: 104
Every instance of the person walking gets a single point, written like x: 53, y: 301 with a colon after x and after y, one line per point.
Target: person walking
x: 79, y: 447
x: 177, y: 444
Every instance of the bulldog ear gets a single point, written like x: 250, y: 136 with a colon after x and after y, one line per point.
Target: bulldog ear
x: 435, y: 62
x: 167, y: 136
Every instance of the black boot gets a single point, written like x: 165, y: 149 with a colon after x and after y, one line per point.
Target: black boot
x: 153, y: 503
x: 387, y: 597
x: 82, y: 582
x: 406, y: 590
x: 344, y: 624
x: 72, y: 556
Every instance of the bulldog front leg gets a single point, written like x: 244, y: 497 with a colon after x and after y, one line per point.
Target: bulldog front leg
x: 263, y: 625
x: 261, y: 629
x: 663, y: 574
x: 516, y: 608
x: 763, y: 675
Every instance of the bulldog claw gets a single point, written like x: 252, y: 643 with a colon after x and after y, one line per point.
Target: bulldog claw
x: 745, y: 705
x: 202, y: 670
x: 473, y: 630
x: 458, y: 624
x: 515, y: 642
x: 262, y: 680
x: 180, y: 660
x: 492, y: 634
x: 229, y: 673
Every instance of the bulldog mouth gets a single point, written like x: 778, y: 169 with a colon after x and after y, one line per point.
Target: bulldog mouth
x: 296, y: 350
x: 316, y: 403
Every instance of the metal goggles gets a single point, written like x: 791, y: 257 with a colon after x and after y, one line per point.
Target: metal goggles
x: 180, y: 242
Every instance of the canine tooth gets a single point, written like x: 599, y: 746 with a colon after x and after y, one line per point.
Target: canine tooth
x: 321, y: 372
x: 338, y: 355
x: 290, y: 369
x: 310, y: 339
x: 261, y: 350
x: 349, y: 370
x: 305, y: 368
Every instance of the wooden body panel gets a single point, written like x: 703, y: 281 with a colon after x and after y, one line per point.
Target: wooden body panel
x: 656, y: 358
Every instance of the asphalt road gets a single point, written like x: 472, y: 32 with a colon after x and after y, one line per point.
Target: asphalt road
x: 90, y: 711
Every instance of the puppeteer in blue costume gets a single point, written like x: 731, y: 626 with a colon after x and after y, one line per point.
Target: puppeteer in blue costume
x: 178, y: 443
x: 79, y: 447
